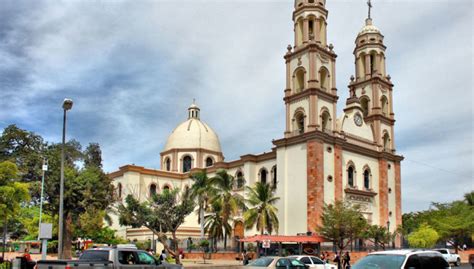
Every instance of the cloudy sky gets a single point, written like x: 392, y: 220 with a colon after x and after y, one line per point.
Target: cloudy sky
x: 133, y: 67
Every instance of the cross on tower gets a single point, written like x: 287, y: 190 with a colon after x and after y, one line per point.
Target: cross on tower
x: 369, y: 3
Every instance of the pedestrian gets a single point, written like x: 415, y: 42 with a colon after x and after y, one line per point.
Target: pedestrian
x: 323, y: 257
x: 327, y: 256
x: 346, y: 261
x: 464, y: 247
x: 163, y: 255
x: 245, y: 257
x: 337, y: 260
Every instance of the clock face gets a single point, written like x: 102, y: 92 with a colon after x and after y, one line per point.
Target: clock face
x: 358, y: 119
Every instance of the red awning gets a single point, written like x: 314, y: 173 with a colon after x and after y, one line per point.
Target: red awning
x: 285, y: 238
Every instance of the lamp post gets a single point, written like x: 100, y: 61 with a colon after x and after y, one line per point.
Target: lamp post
x: 67, y: 105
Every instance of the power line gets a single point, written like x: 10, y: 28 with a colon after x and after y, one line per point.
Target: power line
x: 440, y: 169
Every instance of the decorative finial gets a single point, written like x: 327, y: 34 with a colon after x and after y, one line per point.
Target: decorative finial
x: 369, y: 3
x: 352, y: 79
x: 194, y: 101
x: 289, y: 48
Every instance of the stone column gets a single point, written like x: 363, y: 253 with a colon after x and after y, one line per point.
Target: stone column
x: 317, y: 30
x: 338, y: 186
x: 315, y: 183
x: 305, y: 30
x: 398, y: 199
x: 367, y: 66
x: 383, y: 193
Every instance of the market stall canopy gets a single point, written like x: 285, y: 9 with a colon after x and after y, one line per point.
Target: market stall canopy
x: 285, y: 238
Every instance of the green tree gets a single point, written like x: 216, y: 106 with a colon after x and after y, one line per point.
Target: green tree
x: 453, y: 221
x: 93, y: 156
x: 423, y: 237
x: 215, y: 225
x: 262, y: 211
x: 23, y: 148
x: 200, y: 191
x: 379, y: 236
x: 469, y: 198
x: 230, y: 202
x: 162, y: 213
x: 12, y: 195
x: 342, y: 223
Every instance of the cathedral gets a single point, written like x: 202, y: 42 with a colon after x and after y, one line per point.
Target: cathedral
x: 321, y: 157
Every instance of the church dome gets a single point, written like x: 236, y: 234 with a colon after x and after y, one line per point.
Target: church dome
x: 193, y: 134
x: 369, y: 28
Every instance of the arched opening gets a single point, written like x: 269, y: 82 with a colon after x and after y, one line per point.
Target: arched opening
x: 362, y: 69
x: 168, y: 164
x: 350, y: 176
x: 367, y: 179
x: 384, y: 105
x: 324, y: 78
x: 263, y: 176
x: 373, y: 66
x: 364, y: 103
x: 325, y: 121
x: 187, y: 163
x: 240, y: 180
x: 311, y: 26
x: 299, y: 80
x: 274, y: 176
x: 119, y: 190
x: 166, y: 188
x: 299, y: 120
x: 209, y: 161
x: 152, y: 190
x: 386, y: 142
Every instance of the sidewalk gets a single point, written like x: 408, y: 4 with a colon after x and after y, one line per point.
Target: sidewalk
x: 221, y: 264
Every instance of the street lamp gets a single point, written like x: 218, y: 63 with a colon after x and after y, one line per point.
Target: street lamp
x: 67, y: 105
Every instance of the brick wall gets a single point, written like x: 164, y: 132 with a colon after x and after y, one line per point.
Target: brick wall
x: 383, y: 192
x: 315, y: 183
x: 338, y: 172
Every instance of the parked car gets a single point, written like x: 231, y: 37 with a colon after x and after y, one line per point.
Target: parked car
x: 403, y: 259
x: 109, y: 258
x: 314, y: 262
x: 276, y: 263
x: 452, y: 258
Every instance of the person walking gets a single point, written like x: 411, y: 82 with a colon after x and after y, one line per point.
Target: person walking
x: 245, y: 258
x: 337, y: 260
x: 346, y: 261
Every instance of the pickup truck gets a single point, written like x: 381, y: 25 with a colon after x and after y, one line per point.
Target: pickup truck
x: 109, y: 258
x: 449, y: 257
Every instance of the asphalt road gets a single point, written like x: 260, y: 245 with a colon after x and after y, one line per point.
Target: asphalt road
x: 464, y: 266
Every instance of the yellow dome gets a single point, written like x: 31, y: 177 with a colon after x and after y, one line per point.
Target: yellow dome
x: 193, y: 134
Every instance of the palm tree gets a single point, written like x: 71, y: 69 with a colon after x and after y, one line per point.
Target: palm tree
x: 215, y: 225
x: 200, y: 191
x: 230, y: 202
x: 262, y: 211
x: 469, y: 198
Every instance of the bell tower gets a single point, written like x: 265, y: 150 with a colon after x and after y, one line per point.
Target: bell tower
x: 310, y: 93
x: 372, y: 85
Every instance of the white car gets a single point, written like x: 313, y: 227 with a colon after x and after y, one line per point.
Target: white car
x: 313, y: 262
x: 449, y: 257
x: 402, y: 259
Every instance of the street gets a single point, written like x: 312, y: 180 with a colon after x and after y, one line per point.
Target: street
x: 464, y: 266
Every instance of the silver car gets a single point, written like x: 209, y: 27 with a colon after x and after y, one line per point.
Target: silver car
x: 314, y: 262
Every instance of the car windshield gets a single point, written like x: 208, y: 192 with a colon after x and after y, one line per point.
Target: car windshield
x: 380, y: 261
x: 261, y: 262
x: 296, y: 264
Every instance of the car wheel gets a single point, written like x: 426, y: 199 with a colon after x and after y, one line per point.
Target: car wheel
x: 458, y: 262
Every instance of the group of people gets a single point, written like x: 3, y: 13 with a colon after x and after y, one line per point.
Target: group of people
x: 343, y: 262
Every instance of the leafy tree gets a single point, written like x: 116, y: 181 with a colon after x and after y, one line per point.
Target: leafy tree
x: 342, y: 223
x: 162, y: 213
x: 230, y: 202
x: 262, y: 211
x: 453, y: 221
x: 12, y: 194
x: 93, y: 156
x: 200, y: 191
x: 379, y: 235
x: 423, y: 237
x: 28, y: 217
x: 469, y: 198
x: 23, y: 148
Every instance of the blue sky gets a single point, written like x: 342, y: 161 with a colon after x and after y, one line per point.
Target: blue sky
x: 133, y: 67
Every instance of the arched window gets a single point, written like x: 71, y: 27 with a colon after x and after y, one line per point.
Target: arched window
x: 240, y: 180
x: 187, y: 162
x: 274, y: 176
x: 364, y: 103
x: 119, y: 190
x: 166, y: 188
x: 386, y: 142
x: 299, y: 119
x: 324, y: 78
x: 367, y: 179
x: 325, y: 121
x: 209, y: 161
x: 263, y: 176
x: 152, y: 189
x: 311, y: 26
x: 299, y: 80
x: 350, y: 176
x: 168, y: 164
x: 384, y: 104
